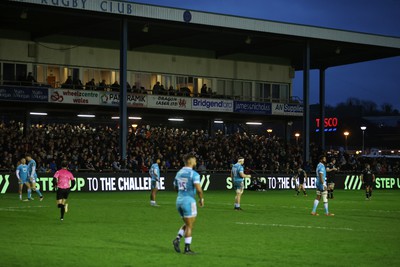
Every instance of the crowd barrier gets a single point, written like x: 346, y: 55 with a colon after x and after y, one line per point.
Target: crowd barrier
x: 119, y: 182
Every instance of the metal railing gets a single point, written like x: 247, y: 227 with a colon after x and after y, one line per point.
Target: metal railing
x: 182, y: 92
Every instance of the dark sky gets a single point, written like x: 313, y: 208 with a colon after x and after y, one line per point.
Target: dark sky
x: 375, y: 80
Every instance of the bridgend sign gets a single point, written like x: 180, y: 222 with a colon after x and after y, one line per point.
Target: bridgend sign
x: 84, y: 97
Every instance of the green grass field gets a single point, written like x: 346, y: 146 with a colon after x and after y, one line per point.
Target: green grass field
x: 275, y: 229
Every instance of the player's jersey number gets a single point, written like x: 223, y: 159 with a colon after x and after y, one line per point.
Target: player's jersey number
x: 182, y: 185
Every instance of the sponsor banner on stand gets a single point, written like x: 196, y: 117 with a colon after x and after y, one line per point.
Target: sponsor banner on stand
x: 68, y: 96
x: 207, y: 104
x: 24, y: 93
x: 252, y: 107
x: 133, y: 100
x: 169, y: 102
x: 287, y: 109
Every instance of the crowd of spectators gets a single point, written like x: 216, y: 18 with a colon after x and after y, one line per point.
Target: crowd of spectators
x: 158, y: 88
x: 95, y: 148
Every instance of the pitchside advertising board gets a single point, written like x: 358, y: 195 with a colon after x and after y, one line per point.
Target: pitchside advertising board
x: 169, y: 102
x: 112, y: 99
x: 79, y: 97
x: 252, y: 107
x: 216, y: 105
x: 287, y: 109
x: 125, y: 182
x: 19, y: 93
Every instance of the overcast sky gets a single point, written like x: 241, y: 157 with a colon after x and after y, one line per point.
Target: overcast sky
x: 376, y: 80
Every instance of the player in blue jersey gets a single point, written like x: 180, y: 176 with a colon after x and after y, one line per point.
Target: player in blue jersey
x: 32, y: 175
x: 155, y: 181
x: 187, y: 183
x: 22, y: 175
x: 237, y: 174
x: 322, y: 190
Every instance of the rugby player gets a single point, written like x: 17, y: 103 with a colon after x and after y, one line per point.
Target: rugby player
x: 368, y: 179
x: 61, y: 183
x: 187, y: 183
x: 155, y: 180
x: 321, y: 188
x: 22, y: 175
x: 301, y: 175
x: 331, y: 170
x: 237, y: 173
x: 32, y: 175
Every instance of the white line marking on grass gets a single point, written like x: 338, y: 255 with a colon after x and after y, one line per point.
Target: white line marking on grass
x: 20, y: 208
x: 295, y: 226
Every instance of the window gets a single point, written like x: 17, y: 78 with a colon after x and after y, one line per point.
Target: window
x: 264, y: 91
x: 284, y: 88
x: 181, y: 82
x: 8, y: 72
x: 237, y: 89
x: 142, y: 80
x: 247, y: 92
x: 228, y: 88
x: 275, y: 92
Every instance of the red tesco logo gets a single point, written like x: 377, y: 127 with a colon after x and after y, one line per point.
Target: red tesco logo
x: 328, y: 122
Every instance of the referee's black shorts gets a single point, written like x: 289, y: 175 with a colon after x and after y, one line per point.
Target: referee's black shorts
x: 62, y: 193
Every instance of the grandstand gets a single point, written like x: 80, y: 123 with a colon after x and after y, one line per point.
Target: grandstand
x: 112, y: 86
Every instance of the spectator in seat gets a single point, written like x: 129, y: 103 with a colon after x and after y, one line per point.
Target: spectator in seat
x: 128, y: 87
x: 116, y: 165
x: 202, y: 168
x: 77, y: 84
x: 53, y: 166
x: 203, y: 91
x: 68, y: 83
x: 156, y: 88
x: 209, y: 92
x: 90, y: 85
x: 102, y: 86
x: 30, y: 79
x: 171, y: 90
x: 115, y: 86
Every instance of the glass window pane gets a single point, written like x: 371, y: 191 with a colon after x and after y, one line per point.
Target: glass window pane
x: 275, y: 91
x: 228, y: 88
x: 8, y: 72
x: 220, y: 87
x: 247, y: 93
x: 284, y: 94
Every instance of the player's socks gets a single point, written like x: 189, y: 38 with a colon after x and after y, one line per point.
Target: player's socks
x: 181, y: 232
x: 332, y: 194
x: 20, y: 197
x: 29, y: 193
x: 188, y: 241
x: 370, y: 193
x: 367, y: 194
x: 326, y: 208
x: 305, y: 193
x: 62, y: 210
x: 39, y: 193
x: 152, y: 203
x: 316, y: 202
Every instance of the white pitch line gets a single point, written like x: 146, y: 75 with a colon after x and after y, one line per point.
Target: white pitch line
x: 294, y: 226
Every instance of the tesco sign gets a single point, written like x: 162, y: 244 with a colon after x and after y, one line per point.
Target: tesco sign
x: 330, y: 124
